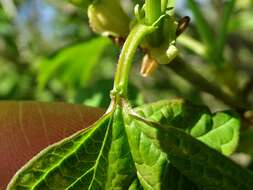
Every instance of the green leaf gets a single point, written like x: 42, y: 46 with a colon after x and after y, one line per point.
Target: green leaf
x: 27, y: 127
x: 73, y: 65
x: 224, y: 135
x: 69, y: 163
x: 153, y: 165
x: 219, y: 131
x: 134, y: 149
x: 203, y: 165
x: 177, y: 181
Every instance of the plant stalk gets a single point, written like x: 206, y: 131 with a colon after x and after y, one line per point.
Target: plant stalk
x: 126, y: 58
x: 164, y: 4
x: 153, y: 11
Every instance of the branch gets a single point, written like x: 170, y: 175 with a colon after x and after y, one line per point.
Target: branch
x: 180, y: 67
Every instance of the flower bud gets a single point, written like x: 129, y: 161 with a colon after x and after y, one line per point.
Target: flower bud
x: 108, y: 18
x: 148, y: 66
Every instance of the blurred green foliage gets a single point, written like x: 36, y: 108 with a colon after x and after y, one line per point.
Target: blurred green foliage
x: 73, y: 65
x: 49, y: 53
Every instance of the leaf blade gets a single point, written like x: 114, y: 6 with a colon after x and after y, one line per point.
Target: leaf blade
x: 220, y: 130
x: 36, y: 164
x: 42, y: 124
x: 190, y: 157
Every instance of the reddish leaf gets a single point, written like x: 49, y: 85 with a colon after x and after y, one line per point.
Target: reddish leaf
x: 28, y: 127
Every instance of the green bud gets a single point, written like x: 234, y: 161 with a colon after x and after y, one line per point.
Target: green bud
x: 171, y: 53
x: 164, y: 54
x: 108, y: 18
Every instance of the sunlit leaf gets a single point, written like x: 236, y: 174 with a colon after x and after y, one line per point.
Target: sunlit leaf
x: 220, y: 130
x: 28, y: 127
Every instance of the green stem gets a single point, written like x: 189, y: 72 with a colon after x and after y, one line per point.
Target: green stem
x: 164, y: 5
x: 171, y: 4
x: 153, y: 11
x: 126, y: 58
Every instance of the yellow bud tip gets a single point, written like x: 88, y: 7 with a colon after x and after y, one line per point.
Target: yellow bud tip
x: 148, y: 66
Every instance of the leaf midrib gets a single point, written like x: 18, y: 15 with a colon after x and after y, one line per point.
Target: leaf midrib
x: 101, y: 152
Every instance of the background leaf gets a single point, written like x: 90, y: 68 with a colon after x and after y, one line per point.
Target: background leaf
x: 97, y: 94
x: 74, y: 65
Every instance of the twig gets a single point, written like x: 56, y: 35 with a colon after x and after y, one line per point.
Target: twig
x: 184, y: 70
